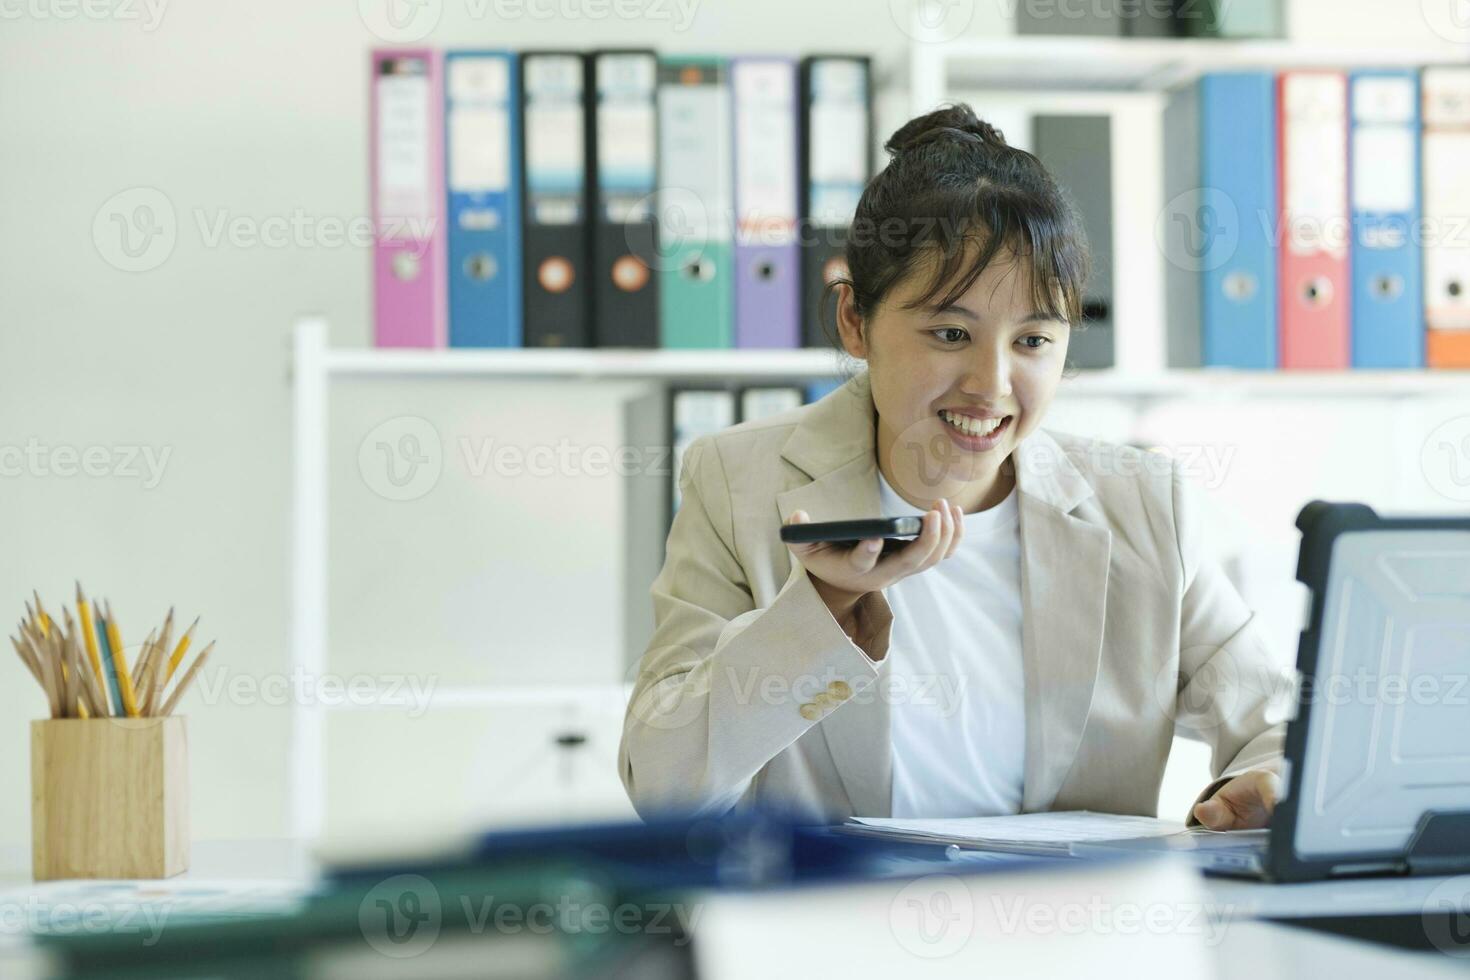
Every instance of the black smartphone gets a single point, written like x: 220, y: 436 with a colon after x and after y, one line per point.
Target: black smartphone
x: 896, y: 532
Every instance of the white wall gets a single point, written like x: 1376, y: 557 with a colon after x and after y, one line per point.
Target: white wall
x: 251, y: 112
x: 256, y: 112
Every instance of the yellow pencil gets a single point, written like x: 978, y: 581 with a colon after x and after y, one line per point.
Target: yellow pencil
x: 181, y: 649
x: 89, y: 636
x: 41, y: 613
x: 183, y: 685
x: 120, y: 664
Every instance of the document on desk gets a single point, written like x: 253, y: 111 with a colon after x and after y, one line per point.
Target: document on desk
x: 1022, y: 833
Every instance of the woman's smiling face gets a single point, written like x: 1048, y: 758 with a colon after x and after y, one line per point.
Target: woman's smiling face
x: 943, y: 376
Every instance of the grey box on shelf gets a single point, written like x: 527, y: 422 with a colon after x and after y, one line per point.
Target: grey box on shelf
x: 1078, y: 152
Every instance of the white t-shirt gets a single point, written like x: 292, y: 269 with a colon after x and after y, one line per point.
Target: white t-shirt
x: 956, y: 678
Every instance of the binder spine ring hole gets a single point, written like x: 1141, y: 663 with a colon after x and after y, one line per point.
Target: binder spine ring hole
x: 1239, y: 286
x: 1318, y: 292
x: 406, y: 266
x: 629, y: 274
x: 481, y: 267
x: 1388, y: 287
x: 556, y: 274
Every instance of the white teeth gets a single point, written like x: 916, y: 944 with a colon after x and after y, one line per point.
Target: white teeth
x: 972, y: 427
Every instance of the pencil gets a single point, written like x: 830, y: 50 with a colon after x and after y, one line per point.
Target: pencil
x: 43, y: 658
x: 120, y: 664
x: 156, y: 681
x: 96, y: 706
x: 181, y: 649
x: 183, y: 685
x: 41, y: 612
x: 75, y: 670
x: 68, y: 679
x: 145, y: 673
x: 89, y: 634
x: 25, y: 658
x: 75, y: 693
x: 140, y: 672
x: 109, y: 665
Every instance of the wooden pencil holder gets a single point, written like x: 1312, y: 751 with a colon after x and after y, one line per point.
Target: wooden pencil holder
x: 109, y: 798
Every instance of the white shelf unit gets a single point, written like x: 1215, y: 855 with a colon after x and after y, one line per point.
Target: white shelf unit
x: 791, y: 365
x: 590, y: 363
x: 313, y: 369
x: 1079, y: 64
x: 316, y: 365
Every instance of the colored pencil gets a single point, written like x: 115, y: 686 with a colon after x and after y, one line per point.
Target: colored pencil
x: 82, y: 666
x: 183, y: 685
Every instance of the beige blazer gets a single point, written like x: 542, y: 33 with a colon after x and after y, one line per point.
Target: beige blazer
x: 750, y: 692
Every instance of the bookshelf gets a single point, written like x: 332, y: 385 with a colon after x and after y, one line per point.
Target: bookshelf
x: 813, y: 364
x: 1133, y: 82
x: 1089, y: 64
x: 316, y: 366
x: 694, y: 365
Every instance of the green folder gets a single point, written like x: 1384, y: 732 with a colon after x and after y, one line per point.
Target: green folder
x: 696, y: 203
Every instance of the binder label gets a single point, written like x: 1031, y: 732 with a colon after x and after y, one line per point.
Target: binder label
x: 404, y: 184
x: 765, y: 143
x: 554, y: 139
x: 626, y: 150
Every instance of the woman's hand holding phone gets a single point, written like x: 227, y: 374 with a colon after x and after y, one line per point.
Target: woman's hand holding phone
x: 843, y: 574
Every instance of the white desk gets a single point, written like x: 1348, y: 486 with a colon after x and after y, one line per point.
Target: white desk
x: 1245, y: 948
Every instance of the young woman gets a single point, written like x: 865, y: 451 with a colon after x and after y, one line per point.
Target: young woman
x: 1035, y: 646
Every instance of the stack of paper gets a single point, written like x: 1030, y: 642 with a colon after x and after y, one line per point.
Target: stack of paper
x: 1022, y: 833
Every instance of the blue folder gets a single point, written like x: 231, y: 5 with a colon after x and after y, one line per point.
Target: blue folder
x: 1238, y: 158
x: 482, y: 163
x: 1387, y: 260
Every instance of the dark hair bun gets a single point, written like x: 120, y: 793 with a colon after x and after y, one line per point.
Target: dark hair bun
x: 952, y: 124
